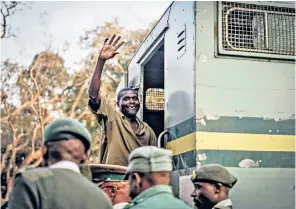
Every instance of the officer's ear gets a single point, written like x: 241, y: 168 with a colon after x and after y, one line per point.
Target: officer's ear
x: 84, y: 158
x: 113, y: 192
x: 44, y: 152
x: 218, y: 188
x: 43, y: 149
x: 136, y: 177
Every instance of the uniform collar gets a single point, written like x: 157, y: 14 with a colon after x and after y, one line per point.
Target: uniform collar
x: 65, y: 164
x: 223, y: 204
x: 154, y: 190
x: 120, y: 205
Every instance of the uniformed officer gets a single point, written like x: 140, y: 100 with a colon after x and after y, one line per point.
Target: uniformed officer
x: 61, y: 185
x: 149, y: 176
x: 110, y: 178
x: 212, y: 183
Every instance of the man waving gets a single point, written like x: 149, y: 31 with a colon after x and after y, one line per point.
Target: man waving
x: 123, y: 131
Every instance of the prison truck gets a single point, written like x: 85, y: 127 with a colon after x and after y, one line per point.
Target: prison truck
x: 216, y: 82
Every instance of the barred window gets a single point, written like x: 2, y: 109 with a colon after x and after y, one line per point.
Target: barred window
x: 258, y: 28
x: 154, y: 99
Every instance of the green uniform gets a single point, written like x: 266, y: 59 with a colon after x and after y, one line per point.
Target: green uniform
x: 45, y: 188
x: 151, y: 159
x: 157, y: 197
x: 118, y: 138
x: 61, y: 185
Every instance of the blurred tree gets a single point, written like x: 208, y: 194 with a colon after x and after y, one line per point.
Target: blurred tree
x: 32, y: 97
x: 8, y: 9
x: 22, y: 125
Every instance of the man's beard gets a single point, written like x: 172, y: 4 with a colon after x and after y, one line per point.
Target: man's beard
x: 203, y: 203
x: 133, y: 194
x: 130, y: 113
x: 135, y: 191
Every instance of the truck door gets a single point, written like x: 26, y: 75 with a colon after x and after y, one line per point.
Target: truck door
x: 179, y: 85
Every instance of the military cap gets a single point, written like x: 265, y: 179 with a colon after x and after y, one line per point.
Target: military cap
x: 213, y: 173
x: 107, y: 173
x: 67, y: 128
x: 150, y: 159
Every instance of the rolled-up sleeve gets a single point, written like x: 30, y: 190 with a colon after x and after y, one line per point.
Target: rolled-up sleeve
x: 103, y: 108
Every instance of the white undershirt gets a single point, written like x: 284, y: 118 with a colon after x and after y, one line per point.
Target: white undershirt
x: 66, y: 165
x: 223, y: 203
x: 120, y: 205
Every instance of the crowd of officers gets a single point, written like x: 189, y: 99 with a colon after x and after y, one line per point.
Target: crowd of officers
x: 133, y: 173
x: 63, y: 183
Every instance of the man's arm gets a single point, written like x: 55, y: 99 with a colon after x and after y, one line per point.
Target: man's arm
x: 23, y: 195
x: 107, y: 52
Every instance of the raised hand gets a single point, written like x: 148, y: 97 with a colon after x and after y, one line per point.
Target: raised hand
x: 109, y: 48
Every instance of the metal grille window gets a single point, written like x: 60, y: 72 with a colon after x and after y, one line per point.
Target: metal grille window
x: 258, y: 28
x: 154, y: 99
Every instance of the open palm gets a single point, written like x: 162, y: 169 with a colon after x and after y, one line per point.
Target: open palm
x: 109, y: 49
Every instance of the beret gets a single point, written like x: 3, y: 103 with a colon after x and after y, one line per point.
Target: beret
x: 67, y: 128
x: 213, y: 173
x: 148, y: 159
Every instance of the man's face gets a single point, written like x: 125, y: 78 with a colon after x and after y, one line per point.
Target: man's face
x: 117, y: 191
x: 108, y: 190
x: 129, y: 103
x: 123, y: 192
x: 204, y: 195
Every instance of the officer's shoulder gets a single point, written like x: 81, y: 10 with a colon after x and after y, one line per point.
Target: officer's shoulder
x: 136, y: 206
x: 165, y: 199
x: 34, y: 174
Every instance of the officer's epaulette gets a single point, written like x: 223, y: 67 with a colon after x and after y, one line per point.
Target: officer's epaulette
x: 20, y: 171
x: 34, y: 174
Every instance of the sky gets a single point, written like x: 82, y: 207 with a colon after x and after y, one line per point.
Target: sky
x: 55, y: 22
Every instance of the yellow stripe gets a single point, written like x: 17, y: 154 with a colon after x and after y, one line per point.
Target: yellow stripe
x: 183, y: 144
x: 233, y: 141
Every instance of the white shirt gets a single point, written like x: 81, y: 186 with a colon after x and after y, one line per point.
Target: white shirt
x: 120, y: 205
x: 66, y: 165
x: 223, y: 203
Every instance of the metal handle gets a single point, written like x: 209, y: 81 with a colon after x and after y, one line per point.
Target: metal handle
x: 159, y: 138
x: 4, y: 205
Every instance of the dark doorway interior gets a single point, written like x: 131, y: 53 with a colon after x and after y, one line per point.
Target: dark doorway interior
x: 153, y: 107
